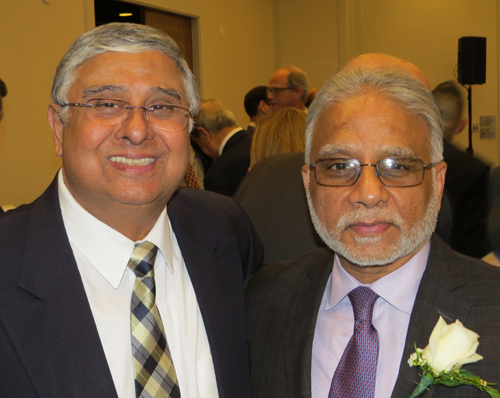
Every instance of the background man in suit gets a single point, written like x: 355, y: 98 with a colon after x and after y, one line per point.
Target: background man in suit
x: 288, y: 88
x: 82, y: 308
x: 229, y: 146
x: 257, y: 105
x: 467, y: 178
x: 374, y: 177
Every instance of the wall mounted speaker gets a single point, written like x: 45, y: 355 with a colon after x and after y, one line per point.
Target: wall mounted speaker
x: 472, y: 60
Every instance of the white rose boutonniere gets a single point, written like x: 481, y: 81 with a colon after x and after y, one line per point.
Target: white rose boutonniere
x: 450, y: 347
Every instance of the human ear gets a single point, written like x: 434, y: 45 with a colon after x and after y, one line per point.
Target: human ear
x: 57, y: 127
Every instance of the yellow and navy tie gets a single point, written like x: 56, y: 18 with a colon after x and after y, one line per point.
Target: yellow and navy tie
x: 154, y: 370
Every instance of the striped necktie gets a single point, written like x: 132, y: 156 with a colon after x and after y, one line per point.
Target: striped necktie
x: 355, y: 374
x: 153, y: 367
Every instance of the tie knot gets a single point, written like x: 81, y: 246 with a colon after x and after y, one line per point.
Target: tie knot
x: 142, y: 259
x: 363, y: 300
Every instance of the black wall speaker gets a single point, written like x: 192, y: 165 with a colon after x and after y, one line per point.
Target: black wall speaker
x: 472, y: 60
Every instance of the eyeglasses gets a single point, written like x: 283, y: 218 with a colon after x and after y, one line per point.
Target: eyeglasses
x: 277, y: 90
x: 401, y: 172
x: 112, y: 112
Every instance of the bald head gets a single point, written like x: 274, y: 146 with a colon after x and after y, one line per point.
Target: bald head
x: 388, y: 62
x: 288, y: 88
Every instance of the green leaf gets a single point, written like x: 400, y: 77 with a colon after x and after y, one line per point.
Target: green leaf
x: 425, y: 382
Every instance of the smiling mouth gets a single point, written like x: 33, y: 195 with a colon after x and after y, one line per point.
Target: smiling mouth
x: 132, y: 162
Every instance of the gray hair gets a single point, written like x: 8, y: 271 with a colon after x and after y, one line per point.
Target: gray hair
x: 411, y: 95
x: 120, y: 37
x: 296, y: 79
x: 213, y: 117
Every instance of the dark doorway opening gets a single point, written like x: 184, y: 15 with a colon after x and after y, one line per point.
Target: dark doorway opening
x: 107, y: 11
x: 178, y: 27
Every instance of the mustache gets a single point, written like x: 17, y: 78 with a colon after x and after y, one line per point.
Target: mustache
x: 364, y: 215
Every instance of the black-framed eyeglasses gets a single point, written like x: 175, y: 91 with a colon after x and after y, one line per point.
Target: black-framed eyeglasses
x: 398, y: 172
x: 112, y: 112
x: 277, y: 90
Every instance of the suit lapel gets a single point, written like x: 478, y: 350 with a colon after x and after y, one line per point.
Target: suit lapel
x: 299, y: 330
x: 215, y: 269
x: 49, y: 322
x: 434, y: 298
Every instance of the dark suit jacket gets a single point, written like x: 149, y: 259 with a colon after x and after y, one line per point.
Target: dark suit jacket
x: 273, y: 196
x: 226, y: 172
x: 49, y: 344
x: 283, y: 302
x: 467, y: 181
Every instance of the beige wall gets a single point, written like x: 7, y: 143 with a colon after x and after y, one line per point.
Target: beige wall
x: 34, y: 37
x: 307, y: 36
x: 260, y: 36
x: 426, y: 32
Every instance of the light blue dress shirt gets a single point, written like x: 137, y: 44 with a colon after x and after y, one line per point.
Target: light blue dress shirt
x: 391, y: 317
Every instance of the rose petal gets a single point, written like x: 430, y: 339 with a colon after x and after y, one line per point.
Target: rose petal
x: 456, y: 345
x: 430, y: 350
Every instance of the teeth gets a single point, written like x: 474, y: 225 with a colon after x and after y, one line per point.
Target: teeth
x: 132, y: 162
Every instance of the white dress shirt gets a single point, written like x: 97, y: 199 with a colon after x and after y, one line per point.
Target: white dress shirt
x: 102, y: 255
x: 391, y: 317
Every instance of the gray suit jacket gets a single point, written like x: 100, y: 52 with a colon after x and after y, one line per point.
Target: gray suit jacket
x: 283, y: 302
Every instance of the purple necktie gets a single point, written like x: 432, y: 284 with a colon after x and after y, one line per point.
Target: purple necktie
x: 355, y: 374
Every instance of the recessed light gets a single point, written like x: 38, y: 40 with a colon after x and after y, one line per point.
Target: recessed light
x: 125, y: 14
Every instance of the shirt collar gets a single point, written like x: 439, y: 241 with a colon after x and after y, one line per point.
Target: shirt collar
x: 105, y: 248
x: 399, y: 288
x: 227, y: 137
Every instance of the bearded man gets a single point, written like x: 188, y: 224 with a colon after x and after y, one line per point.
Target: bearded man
x: 343, y: 321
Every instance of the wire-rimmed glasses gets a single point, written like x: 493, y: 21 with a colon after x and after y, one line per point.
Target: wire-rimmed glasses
x: 398, y: 172
x: 112, y: 112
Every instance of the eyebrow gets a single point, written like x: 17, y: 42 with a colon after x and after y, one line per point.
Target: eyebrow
x: 170, y: 92
x: 91, y: 91
x: 386, y: 151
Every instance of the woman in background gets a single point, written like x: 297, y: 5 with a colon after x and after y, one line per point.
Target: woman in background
x: 279, y: 132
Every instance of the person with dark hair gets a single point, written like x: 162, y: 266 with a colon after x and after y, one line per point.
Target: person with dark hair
x: 217, y: 135
x: 3, y: 93
x: 467, y: 178
x: 119, y: 284
x: 257, y: 105
x: 288, y: 88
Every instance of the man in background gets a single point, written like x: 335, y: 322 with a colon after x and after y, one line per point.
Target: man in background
x: 219, y: 138
x: 257, y: 105
x: 288, y: 88
x: 112, y: 292
x: 467, y: 178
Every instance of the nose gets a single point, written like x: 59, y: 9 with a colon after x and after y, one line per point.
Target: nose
x: 368, y: 191
x: 136, y: 127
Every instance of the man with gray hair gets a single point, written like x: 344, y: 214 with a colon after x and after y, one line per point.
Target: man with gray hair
x: 288, y: 88
x: 219, y: 138
x: 343, y: 322
x: 107, y: 290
